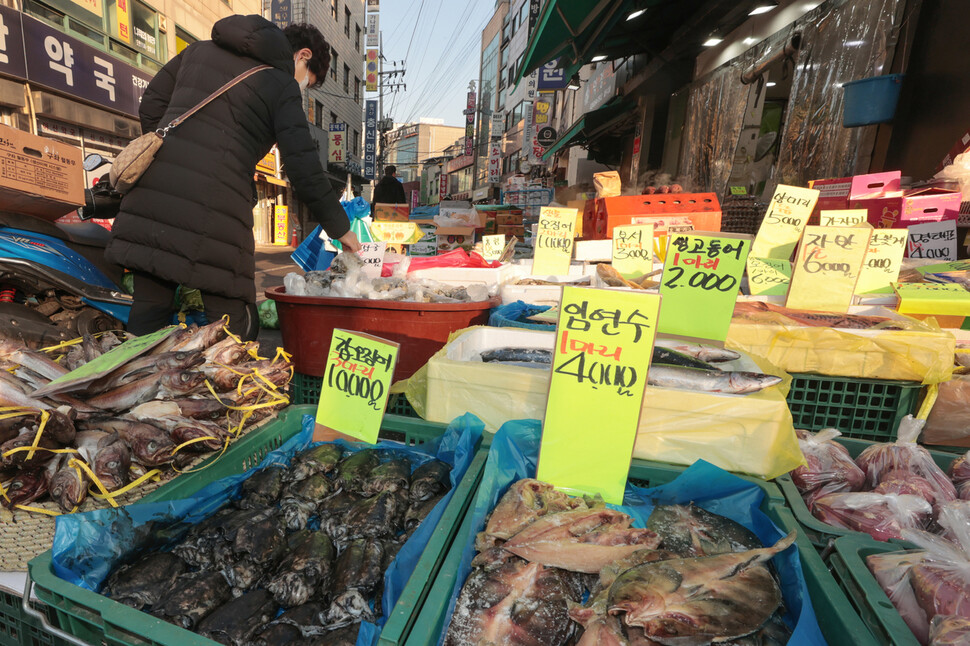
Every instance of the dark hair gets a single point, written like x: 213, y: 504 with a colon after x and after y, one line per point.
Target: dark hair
x: 303, y: 35
x: 390, y: 170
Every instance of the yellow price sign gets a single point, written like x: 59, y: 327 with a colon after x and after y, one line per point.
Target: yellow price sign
x: 633, y: 250
x: 604, y: 344
x: 933, y: 298
x: 827, y: 268
x: 768, y: 276
x: 492, y: 247
x: 843, y: 218
x: 396, y: 232
x: 784, y: 222
x: 883, y: 261
x: 554, y: 241
x: 356, y: 384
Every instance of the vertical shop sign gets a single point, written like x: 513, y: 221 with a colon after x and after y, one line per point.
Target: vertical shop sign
x: 370, y: 70
x: 372, y: 30
x: 122, y: 20
x: 373, y: 5
x: 470, y: 124
x: 370, y: 139
x: 338, y: 143
x: 443, y: 185
x: 282, y: 13
x: 280, y: 225
x: 551, y: 77
x: 528, y: 131
x: 495, y: 163
x: 415, y: 199
x: 534, y: 7
x: 541, y: 118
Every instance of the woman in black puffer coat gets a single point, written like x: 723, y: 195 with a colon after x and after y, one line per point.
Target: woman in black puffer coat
x: 189, y: 219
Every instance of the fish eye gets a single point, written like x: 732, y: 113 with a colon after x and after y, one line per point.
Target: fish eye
x: 113, y: 464
x: 152, y: 445
x: 16, y: 485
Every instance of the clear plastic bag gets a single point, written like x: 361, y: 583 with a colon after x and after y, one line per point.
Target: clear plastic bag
x: 904, y: 482
x: 949, y: 419
x: 904, y: 454
x: 882, y: 516
x: 892, y: 573
x: 942, y: 581
x: 949, y: 630
x: 829, y: 467
x: 960, y: 469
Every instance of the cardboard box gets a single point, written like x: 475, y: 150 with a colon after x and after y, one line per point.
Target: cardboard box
x: 39, y: 176
x: 491, y: 226
x: 702, y: 209
x: 961, y: 146
x: 901, y: 209
x: 450, y: 238
x: 503, y: 218
x: 512, y: 230
x: 424, y: 248
x: 392, y: 212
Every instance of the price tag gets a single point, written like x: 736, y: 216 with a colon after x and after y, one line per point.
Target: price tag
x: 883, y: 260
x: 845, y: 218
x: 492, y: 247
x: 604, y: 344
x: 933, y: 298
x: 937, y: 240
x: 784, y: 222
x: 739, y: 190
x: 768, y: 276
x: 356, y: 384
x: 633, y: 250
x: 396, y: 232
x: 554, y: 241
x: 372, y: 253
x: 700, y: 283
x: 827, y: 268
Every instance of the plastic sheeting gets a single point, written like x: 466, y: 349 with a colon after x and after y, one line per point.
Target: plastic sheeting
x: 949, y: 420
x: 88, y: 546
x: 514, y: 455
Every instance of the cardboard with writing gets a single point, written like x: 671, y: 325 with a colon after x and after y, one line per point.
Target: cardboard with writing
x: 842, y: 218
x: 936, y: 240
x: 39, y: 176
x: 768, y: 276
x: 883, y: 261
x: 827, y: 268
x: 633, y: 250
x: 702, y: 210
x: 492, y: 247
x: 372, y: 253
x: 396, y: 232
x: 391, y: 212
x: 554, y: 241
x: 782, y: 227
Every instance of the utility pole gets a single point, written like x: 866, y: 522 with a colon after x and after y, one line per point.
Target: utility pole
x: 382, y: 124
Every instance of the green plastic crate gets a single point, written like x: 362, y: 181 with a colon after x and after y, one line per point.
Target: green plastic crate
x: 306, y: 390
x: 822, y: 534
x: 867, y: 409
x: 430, y: 621
x: 19, y: 629
x: 848, y: 563
x: 96, y: 619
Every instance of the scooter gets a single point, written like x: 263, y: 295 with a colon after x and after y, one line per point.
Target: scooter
x: 55, y: 284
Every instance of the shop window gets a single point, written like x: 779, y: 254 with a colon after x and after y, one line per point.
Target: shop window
x: 333, y: 118
x: 356, y: 142
x: 318, y: 114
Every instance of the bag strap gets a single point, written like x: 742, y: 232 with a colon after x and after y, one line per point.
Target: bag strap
x: 161, y: 132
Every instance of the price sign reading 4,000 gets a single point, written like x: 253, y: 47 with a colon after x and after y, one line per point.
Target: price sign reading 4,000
x: 700, y: 283
x: 604, y: 343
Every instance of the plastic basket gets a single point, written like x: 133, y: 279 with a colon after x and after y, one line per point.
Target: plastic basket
x: 871, y: 100
x: 96, y: 619
x: 19, y: 629
x: 867, y: 409
x: 430, y: 621
x: 822, y: 534
x: 848, y: 563
x: 306, y: 390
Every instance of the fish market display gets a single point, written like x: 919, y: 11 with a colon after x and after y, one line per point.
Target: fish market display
x: 257, y: 572
x: 345, y: 278
x: 829, y: 468
x: 758, y: 312
x: 892, y: 572
x: 188, y: 396
x: 554, y: 570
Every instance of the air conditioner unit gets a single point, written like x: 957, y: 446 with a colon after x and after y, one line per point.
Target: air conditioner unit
x: 162, y: 23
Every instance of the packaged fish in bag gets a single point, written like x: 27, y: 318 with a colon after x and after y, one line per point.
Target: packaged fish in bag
x: 880, y: 459
x: 949, y: 630
x: 892, y: 572
x: 904, y: 482
x: 882, y: 516
x: 960, y: 470
x: 830, y: 468
x: 941, y: 581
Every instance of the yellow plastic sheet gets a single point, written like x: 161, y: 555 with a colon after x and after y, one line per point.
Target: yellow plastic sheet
x: 924, y: 354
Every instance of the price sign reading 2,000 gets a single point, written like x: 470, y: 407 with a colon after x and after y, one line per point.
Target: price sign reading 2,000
x: 701, y: 279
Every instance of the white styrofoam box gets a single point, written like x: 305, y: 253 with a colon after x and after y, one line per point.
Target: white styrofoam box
x: 594, y: 250
x: 493, y: 279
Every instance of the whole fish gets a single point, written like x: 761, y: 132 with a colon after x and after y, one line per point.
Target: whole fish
x: 178, y: 337
x: 706, y: 353
x: 393, y: 475
x: 690, y: 530
x: 303, y: 570
x: 353, y: 470
x: 228, y: 352
x: 26, y: 439
x: 34, y: 360
x: 674, y: 358
x: 141, y: 366
x: 28, y: 485
x: 525, y: 501
x: 164, y: 384
x: 107, y: 455
x: 200, y: 407
x: 518, y: 355
x: 192, y: 597
x: 694, y: 601
x: 237, y: 621
x: 201, y: 338
x: 12, y: 393
x: 143, y: 582
x: 712, y: 381
x: 320, y: 459
x: 69, y: 485
x: 581, y: 541
x: 150, y: 445
x: 430, y: 479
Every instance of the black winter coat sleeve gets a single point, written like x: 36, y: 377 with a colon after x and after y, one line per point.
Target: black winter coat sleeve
x: 303, y: 166
x: 157, y: 95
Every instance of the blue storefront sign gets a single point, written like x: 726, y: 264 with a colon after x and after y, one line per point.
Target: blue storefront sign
x: 370, y: 139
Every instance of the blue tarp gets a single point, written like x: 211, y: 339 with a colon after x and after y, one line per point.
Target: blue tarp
x: 514, y: 455
x: 89, y: 545
x: 516, y: 315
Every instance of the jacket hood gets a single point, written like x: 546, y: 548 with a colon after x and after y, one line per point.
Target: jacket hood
x: 255, y: 37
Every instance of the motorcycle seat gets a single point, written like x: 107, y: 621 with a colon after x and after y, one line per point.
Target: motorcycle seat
x: 86, y: 233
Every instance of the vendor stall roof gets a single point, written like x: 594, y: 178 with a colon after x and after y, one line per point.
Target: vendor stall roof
x: 592, y: 125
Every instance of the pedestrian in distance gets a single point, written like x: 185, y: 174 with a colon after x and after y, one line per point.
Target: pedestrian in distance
x: 189, y: 219
x: 389, y: 190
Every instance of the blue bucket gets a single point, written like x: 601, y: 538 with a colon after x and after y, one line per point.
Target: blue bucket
x: 871, y: 100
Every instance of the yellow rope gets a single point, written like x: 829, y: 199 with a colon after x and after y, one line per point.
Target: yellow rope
x: 153, y: 474
x: 44, y: 416
x: 932, y: 391
x: 37, y: 510
x: 214, y: 460
x: 21, y: 449
x: 193, y: 441
x: 97, y: 482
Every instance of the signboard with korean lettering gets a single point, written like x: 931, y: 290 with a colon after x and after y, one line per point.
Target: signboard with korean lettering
x: 372, y: 253
x: 143, y: 25
x: 493, y: 246
x: 528, y: 132
x: 495, y: 163
x: 372, y: 30
x: 827, y: 268
x: 281, y: 13
x: 633, y: 250
x: 338, y: 143
x: 554, y: 241
x: 470, y: 124
x: 12, y: 58
x: 356, y: 384
x: 551, y: 77
x: 541, y: 118
x: 782, y: 227
x: 701, y: 278
x: 883, y: 261
x: 370, y: 139
x: 768, y: 276
x: 936, y: 240
x: 443, y: 185
x: 370, y: 69
x: 90, y: 12
x: 600, y: 87
x: 373, y: 5
x: 498, y: 123
x: 280, y: 224
x: 60, y: 62
x: 844, y: 218
x: 119, y: 12
x: 604, y: 345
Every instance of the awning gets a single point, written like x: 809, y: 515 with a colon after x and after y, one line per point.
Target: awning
x: 270, y: 179
x: 592, y: 125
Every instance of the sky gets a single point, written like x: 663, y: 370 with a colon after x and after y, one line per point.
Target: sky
x: 440, y: 44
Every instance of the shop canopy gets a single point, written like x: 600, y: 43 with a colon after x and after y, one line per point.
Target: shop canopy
x: 576, y: 31
x: 592, y: 125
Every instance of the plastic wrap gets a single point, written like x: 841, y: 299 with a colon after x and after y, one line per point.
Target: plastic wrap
x: 904, y: 482
x: 949, y: 630
x: 942, y: 581
x: 830, y: 468
x: 87, y: 546
x: 514, y: 455
x: 892, y: 573
x: 959, y: 471
x: 958, y: 512
x: 904, y: 454
x: 949, y: 420
x: 454, y: 258
x: 882, y: 516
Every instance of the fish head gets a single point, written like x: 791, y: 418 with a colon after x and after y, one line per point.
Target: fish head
x: 187, y: 359
x: 68, y: 487
x: 182, y: 381
x: 643, y: 591
x: 27, y: 486
x: 112, y: 464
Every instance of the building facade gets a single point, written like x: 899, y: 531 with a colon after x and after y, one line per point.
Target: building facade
x: 408, y: 146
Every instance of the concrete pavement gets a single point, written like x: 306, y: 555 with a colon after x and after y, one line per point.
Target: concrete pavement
x: 272, y: 264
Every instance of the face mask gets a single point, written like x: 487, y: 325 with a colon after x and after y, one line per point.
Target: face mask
x: 305, y: 82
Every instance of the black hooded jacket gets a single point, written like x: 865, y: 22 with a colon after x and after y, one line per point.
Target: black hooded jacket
x: 190, y: 217
x: 389, y: 191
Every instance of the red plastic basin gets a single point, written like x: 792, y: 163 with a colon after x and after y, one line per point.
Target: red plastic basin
x: 307, y: 323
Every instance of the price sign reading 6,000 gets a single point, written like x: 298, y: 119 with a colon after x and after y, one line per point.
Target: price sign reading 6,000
x: 827, y: 267
x: 604, y: 343
x: 700, y: 283
x: 356, y: 384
